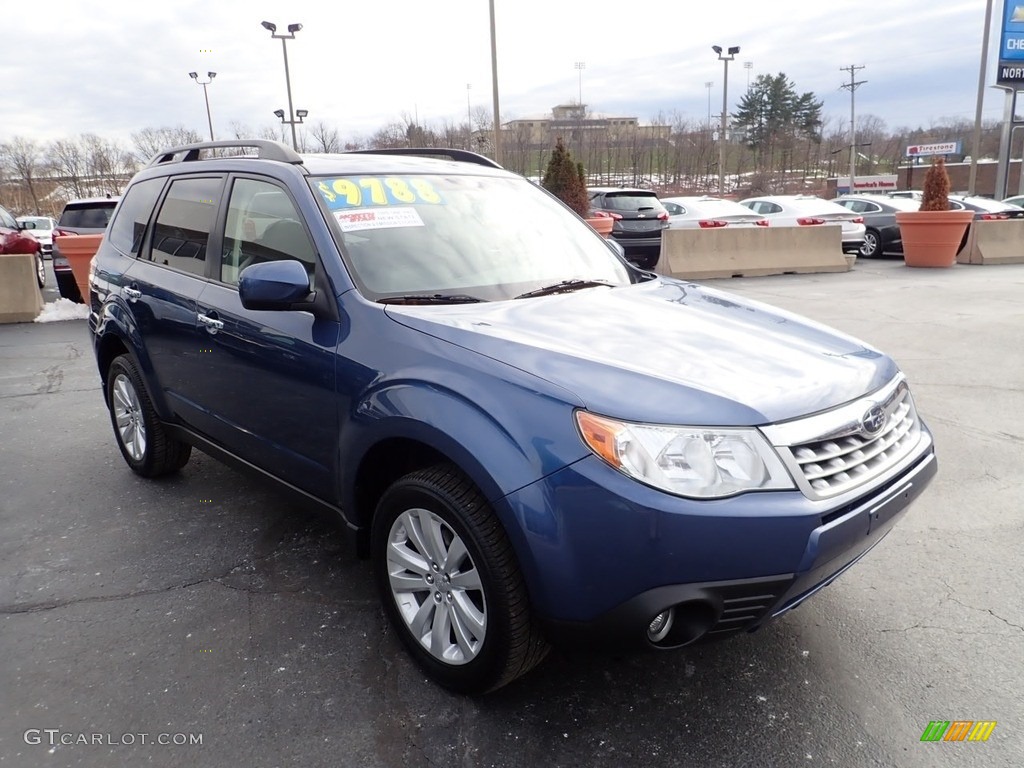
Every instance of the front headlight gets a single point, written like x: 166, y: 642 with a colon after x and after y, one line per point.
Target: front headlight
x: 699, y: 462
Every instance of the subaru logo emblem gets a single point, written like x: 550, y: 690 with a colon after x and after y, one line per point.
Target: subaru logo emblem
x: 873, y: 421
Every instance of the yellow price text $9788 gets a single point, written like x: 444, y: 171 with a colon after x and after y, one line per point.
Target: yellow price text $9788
x: 374, y: 190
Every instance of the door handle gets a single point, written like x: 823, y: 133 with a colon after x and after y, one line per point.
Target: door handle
x: 132, y: 294
x: 212, y: 324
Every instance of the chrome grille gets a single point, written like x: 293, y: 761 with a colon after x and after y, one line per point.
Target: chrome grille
x: 847, y: 456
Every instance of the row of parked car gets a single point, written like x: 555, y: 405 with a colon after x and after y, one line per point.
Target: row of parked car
x: 868, y: 220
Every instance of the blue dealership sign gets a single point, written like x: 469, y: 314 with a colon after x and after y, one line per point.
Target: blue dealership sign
x: 1011, y: 47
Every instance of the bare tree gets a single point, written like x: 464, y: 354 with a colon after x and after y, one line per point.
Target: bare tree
x: 150, y: 141
x: 325, y: 137
x: 24, y: 157
x: 69, y: 164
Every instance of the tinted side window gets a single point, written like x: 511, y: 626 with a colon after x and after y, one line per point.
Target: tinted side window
x: 130, y: 224
x: 182, y: 228
x: 263, y: 225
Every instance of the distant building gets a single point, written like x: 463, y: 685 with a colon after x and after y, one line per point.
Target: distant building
x: 575, y: 125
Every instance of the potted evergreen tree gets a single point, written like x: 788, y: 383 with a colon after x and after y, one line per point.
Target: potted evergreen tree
x: 932, y: 235
x: 567, y: 181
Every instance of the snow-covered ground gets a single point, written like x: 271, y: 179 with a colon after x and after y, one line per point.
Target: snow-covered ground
x: 63, y: 309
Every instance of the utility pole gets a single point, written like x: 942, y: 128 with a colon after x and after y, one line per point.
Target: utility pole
x: 853, y: 69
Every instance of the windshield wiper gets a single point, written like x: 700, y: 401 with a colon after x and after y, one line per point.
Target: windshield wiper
x: 436, y: 298
x: 564, y: 287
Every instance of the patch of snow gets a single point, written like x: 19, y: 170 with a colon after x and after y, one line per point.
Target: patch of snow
x: 63, y: 309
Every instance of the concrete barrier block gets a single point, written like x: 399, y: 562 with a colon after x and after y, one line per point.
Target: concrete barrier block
x: 20, y: 299
x: 751, y: 251
x: 994, y: 242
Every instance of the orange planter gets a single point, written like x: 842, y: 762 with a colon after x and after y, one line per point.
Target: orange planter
x: 932, y: 238
x: 79, y: 250
x: 603, y: 224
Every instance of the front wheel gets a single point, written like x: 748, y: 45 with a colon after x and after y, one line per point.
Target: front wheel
x: 40, y: 269
x: 450, y: 583
x: 146, y: 446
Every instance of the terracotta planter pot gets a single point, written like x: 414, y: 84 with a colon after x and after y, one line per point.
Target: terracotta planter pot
x: 603, y: 224
x: 932, y: 238
x: 79, y: 250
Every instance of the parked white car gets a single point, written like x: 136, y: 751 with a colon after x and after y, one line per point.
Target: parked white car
x: 709, y: 213
x: 41, y: 228
x: 809, y: 210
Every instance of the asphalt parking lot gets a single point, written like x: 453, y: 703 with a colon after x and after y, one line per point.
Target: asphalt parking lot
x: 209, y: 605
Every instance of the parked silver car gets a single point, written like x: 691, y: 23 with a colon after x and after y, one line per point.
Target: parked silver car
x: 810, y: 210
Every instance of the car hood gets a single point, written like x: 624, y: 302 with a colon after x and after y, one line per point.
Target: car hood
x: 666, y: 351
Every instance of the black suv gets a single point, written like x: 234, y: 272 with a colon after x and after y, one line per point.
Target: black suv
x: 639, y: 219
x: 88, y: 216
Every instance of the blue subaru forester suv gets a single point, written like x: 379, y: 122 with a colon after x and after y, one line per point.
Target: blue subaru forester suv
x: 533, y: 440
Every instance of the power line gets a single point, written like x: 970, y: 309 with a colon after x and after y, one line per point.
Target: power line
x: 853, y: 85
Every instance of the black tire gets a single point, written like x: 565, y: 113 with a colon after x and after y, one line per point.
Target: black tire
x: 872, y: 244
x: 157, y: 453
x: 511, y: 642
x: 40, y: 270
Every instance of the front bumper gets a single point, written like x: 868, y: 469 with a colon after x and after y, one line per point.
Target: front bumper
x: 602, y: 567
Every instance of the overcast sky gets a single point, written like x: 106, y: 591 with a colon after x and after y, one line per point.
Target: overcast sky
x: 72, y: 67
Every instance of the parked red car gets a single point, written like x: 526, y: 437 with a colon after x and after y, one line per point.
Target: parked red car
x: 13, y: 240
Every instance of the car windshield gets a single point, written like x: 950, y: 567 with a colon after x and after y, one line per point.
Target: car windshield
x: 465, y: 237
x: 36, y: 222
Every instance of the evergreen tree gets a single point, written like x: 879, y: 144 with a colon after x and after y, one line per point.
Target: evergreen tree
x: 566, y: 180
x: 773, y: 115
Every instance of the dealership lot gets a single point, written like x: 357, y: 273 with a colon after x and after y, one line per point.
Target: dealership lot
x: 207, y: 604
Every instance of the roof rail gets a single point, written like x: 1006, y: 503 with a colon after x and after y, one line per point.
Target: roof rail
x: 266, y: 150
x: 459, y: 155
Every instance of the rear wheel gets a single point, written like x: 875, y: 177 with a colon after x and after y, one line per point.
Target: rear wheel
x: 40, y: 269
x: 450, y: 583
x: 872, y: 244
x: 144, y: 443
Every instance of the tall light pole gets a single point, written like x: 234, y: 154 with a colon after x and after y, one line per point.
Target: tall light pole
x: 206, y: 96
x: 748, y: 65
x: 494, y: 88
x: 725, y: 59
x: 300, y: 114
x: 469, y: 119
x: 579, y: 66
x: 976, y: 143
x: 708, y: 84
x: 292, y: 29
x: 853, y: 69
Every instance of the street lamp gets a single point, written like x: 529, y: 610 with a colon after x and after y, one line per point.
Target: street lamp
x: 748, y: 65
x: 297, y: 120
x: 292, y: 29
x: 725, y: 59
x: 494, y: 86
x: 211, y: 75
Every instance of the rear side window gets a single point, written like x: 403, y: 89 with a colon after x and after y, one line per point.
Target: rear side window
x: 182, y: 228
x: 132, y: 217
x: 630, y: 201
x: 87, y: 215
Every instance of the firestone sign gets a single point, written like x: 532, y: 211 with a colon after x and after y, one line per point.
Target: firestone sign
x: 942, y: 148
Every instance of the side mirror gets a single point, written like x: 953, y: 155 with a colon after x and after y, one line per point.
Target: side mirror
x: 275, y: 285
x: 616, y: 246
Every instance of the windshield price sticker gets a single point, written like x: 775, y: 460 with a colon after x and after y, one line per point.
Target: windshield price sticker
x: 378, y: 218
x: 377, y: 191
